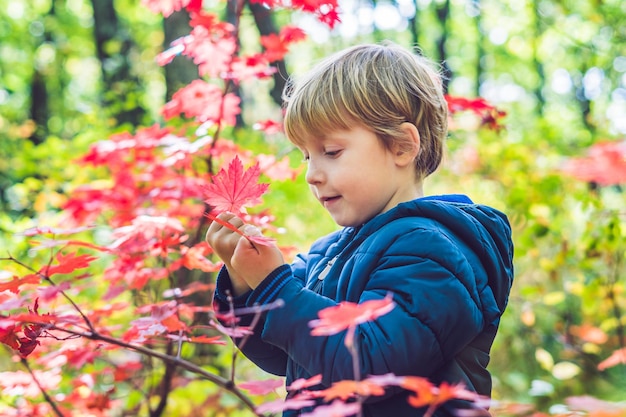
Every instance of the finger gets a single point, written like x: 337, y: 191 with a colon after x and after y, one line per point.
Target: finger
x: 236, y: 221
x: 251, y: 230
x: 216, y: 226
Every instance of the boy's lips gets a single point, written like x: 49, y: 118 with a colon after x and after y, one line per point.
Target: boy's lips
x: 326, y: 201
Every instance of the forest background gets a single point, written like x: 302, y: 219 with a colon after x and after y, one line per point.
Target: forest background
x: 83, y: 132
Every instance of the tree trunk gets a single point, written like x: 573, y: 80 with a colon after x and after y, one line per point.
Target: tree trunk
x: 39, y: 110
x: 264, y: 22
x: 538, y: 90
x: 480, y: 47
x: 122, y: 91
x: 443, y: 13
x: 39, y: 101
x: 233, y: 15
x: 181, y: 71
x: 414, y: 24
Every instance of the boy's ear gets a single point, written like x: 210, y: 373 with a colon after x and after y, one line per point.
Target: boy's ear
x: 408, y: 151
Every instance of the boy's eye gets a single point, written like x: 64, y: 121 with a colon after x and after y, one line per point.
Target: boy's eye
x: 331, y: 153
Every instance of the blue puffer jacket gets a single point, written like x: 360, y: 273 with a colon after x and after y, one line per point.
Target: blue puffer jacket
x: 448, y: 264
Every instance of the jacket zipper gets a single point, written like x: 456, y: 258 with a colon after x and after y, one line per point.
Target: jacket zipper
x: 317, y: 287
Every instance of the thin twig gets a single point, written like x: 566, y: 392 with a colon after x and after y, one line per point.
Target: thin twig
x: 167, y: 359
x: 63, y: 293
x: 45, y: 394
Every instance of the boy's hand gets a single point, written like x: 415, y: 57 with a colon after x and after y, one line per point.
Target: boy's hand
x: 255, y: 262
x: 223, y: 241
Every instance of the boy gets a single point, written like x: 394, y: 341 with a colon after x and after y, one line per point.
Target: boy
x: 371, y: 121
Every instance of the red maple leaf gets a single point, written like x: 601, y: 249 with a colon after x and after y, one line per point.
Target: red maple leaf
x: 490, y: 116
x: 234, y: 189
x: 617, y: 357
x: 278, y: 406
x: 270, y: 4
x: 68, y: 263
x: 302, y: 383
x: 211, y: 22
x: 263, y: 387
x: 209, y: 340
x: 326, y: 11
x: 292, y: 34
x: 277, y: 45
x: 604, y: 164
x: 32, y: 326
x: 8, y: 335
x: 25, y: 344
x: 125, y: 371
x: 167, y: 7
x: 427, y: 394
x: 337, y: 408
x: 277, y: 170
x: 596, y: 407
x: 205, y: 102
x: 268, y: 126
x: 346, y: 389
x: 15, y: 283
x: 346, y: 315
x: 195, y: 257
x: 275, y: 48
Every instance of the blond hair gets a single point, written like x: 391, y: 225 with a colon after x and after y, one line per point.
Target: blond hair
x: 379, y: 86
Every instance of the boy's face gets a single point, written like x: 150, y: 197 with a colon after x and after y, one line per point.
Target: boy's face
x: 355, y: 176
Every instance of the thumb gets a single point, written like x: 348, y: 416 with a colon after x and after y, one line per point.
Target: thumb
x: 251, y: 230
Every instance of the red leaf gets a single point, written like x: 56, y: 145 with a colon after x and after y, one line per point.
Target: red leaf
x: 268, y: 126
x: 277, y: 170
x: 234, y: 189
x: 422, y: 388
x: 302, y: 383
x: 604, y: 164
x: 15, y: 283
x: 8, y: 334
x: 617, y: 357
x: 335, y: 409
x: 275, y: 47
x: 590, y: 333
x: 195, y: 257
x: 27, y: 346
x: 51, y: 292
x: 167, y: 7
x: 281, y: 405
x: 261, y: 240
x: 594, y: 405
x: 205, y: 102
x: 427, y: 394
x: 214, y: 340
x: 489, y: 114
x: 348, y: 389
x: 326, y: 11
x: 345, y: 315
x: 125, y: 371
x: 291, y: 34
x: 211, y: 23
x: 234, y: 331
x: 264, y: 387
x: 68, y: 263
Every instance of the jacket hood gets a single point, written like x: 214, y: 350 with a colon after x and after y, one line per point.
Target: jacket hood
x: 485, y: 230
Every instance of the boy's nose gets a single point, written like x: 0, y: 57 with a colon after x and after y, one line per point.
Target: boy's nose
x: 313, y: 174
